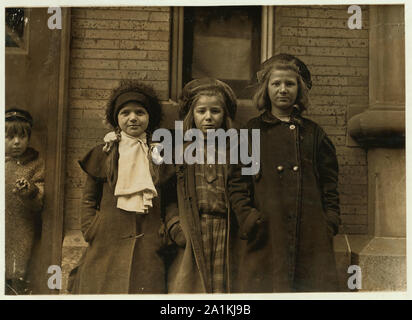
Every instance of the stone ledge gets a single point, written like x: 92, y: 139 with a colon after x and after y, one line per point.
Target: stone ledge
x: 73, y: 248
x: 378, y: 128
x: 382, y: 261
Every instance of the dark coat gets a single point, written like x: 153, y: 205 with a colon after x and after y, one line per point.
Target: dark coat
x: 187, y: 272
x: 124, y: 248
x: 296, y: 194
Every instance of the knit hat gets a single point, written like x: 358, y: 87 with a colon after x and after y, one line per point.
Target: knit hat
x: 130, y: 96
x: 134, y: 91
x: 196, y: 86
x: 267, y: 65
x: 19, y: 114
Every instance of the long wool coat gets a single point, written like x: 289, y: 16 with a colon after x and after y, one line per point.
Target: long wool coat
x: 187, y: 272
x: 296, y: 193
x: 22, y: 213
x: 124, y: 253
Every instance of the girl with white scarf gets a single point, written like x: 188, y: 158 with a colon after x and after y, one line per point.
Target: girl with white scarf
x: 121, y: 211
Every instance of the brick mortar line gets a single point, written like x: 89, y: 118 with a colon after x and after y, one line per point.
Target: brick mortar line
x: 323, y: 38
x: 115, y: 29
x: 119, y: 19
x: 327, y: 38
x: 117, y: 49
x: 317, y: 18
x: 117, y: 59
x: 322, y: 28
x: 320, y: 47
x: 116, y: 70
x: 116, y: 39
x: 126, y: 9
x: 92, y: 79
x: 337, y: 66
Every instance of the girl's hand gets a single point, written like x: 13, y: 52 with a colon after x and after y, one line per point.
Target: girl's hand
x: 109, y: 139
x: 24, y: 188
x: 251, y: 225
x: 155, y: 154
x: 177, y: 235
x: 20, y: 185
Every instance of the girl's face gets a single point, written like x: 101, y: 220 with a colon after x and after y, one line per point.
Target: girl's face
x: 283, y: 89
x: 16, y: 145
x: 133, y: 119
x: 208, y: 113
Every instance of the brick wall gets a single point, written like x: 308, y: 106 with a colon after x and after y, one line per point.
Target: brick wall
x: 338, y: 60
x: 108, y: 44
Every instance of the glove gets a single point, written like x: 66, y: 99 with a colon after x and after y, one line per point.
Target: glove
x: 177, y: 235
x: 25, y: 189
x: 251, y: 225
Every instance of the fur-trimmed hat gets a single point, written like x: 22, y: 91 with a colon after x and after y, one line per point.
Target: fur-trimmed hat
x: 132, y: 90
x: 194, y: 87
x: 267, y: 65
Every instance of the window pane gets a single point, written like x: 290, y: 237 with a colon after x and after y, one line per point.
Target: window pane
x: 14, y: 26
x: 222, y: 42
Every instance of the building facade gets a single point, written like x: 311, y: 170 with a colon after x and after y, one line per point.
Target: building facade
x: 168, y: 46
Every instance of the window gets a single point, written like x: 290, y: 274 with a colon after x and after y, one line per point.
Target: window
x: 227, y: 43
x: 16, y: 31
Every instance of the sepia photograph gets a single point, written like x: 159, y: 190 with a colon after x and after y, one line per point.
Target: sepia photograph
x: 204, y: 149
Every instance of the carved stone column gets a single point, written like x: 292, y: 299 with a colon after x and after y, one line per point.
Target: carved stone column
x: 381, y: 130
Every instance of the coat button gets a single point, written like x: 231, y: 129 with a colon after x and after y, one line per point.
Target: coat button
x: 295, y: 168
x: 280, y: 168
x: 292, y: 127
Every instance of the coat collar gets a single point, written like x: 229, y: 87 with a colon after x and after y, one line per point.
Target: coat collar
x: 269, y: 118
x: 29, y: 155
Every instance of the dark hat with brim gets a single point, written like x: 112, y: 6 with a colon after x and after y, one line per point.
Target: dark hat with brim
x: 15, y: 114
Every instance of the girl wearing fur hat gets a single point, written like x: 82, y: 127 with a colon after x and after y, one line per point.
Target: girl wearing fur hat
x: 121, y: 210
x: 24, y: 182
x: 200, y: 230
x: 290, y: 213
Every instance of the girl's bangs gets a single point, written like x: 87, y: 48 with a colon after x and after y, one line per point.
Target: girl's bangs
x: 283, y: 66
x: 17, y: 128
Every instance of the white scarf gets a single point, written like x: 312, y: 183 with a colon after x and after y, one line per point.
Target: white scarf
x: 134, y: 187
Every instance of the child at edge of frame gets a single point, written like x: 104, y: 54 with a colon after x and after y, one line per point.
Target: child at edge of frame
x: 289, y: 211
x: 24, y: 187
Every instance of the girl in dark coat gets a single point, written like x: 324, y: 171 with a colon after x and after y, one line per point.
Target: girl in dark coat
x: 201, y: 228
x: 291, y: 212
x: 121, y: 210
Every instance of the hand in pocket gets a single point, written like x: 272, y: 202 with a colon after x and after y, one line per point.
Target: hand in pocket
x: 177, y: 235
